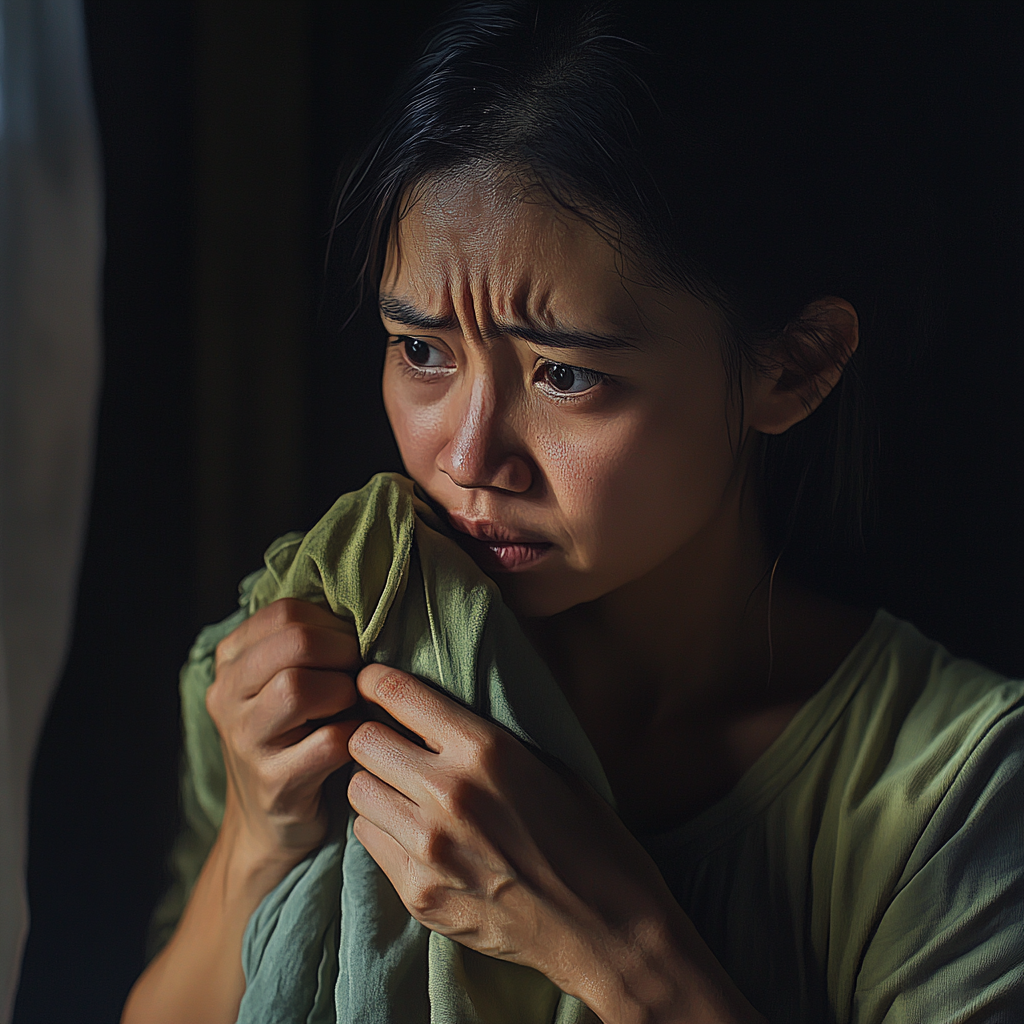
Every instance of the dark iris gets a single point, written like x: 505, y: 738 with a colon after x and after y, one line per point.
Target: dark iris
x: 417, y: 351
x: 561, y: 376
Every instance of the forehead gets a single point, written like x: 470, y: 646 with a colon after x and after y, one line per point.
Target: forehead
x: 490, y: 233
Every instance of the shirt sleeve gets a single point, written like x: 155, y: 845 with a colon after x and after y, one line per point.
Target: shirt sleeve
x: 949, y: 948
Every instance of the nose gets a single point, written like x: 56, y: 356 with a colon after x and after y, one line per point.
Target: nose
x: 483, y: 450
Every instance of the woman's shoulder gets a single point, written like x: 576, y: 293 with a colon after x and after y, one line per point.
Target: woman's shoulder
x: 915, y: 698
x: 923, y: 753
x: 895, y: 740
x: 926, y: 821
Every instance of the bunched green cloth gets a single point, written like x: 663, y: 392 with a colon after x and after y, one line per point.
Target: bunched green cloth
x: 867, y: 869
x: 333, y: 942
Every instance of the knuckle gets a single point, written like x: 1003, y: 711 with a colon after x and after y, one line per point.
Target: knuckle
x: 499, y: 883
x: 212, y: 698
x: 485, y: 750
x: 453, y: 793
x: 301, y: 637
x: 332, y: 744
x: 216, y: 701
x: 422, y: 896
x: 222, y: 653
x: 281, y: 612
x: 434, y: 847
x: 287, y: 687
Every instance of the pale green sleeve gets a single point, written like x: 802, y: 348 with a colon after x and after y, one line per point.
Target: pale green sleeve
x: 949, y: 949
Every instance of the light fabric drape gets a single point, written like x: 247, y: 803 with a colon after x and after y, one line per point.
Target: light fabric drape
x: 51, y: 245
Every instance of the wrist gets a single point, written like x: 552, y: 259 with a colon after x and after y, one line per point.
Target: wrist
x: 247, y: 866
x: 660, y: 972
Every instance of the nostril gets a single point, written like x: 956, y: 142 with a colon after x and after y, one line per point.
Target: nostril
x: 515, y: 475
x: 510, y: 472
x: 483, y: 450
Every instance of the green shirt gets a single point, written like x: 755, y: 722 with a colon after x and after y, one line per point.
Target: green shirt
x: 869, y: 867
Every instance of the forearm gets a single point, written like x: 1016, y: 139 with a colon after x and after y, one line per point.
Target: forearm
x: 661, y: 973
x: 198, y: 976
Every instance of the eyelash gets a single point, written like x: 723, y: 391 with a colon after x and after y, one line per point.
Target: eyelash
x: 573, y: 396
x: 426, y: 375
x: 418, y: 373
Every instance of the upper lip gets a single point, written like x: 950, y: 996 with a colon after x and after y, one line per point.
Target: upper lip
x: 490, y: 532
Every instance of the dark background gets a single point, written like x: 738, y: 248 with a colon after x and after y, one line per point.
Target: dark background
x: 234, y: 409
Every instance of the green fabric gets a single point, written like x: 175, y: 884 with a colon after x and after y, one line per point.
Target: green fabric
x: 333, y: 942
x: 869, y: 867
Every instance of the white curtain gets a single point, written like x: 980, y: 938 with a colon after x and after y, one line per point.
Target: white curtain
x: 51, y: 244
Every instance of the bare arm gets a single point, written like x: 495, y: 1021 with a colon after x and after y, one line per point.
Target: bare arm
x: 198, y: 975
x: 280, y: 671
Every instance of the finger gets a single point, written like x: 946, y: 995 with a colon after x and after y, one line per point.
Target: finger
x: 294, y: 701
x: 311, y: 760
x: 386, y: 807
x: 438, y: 719
x: 389, y: 854
x: 280, y: 615
x: 297, y: 645
x: 392, y: 759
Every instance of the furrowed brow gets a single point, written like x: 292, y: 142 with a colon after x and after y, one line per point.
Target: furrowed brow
x: 552, y: 337
x: 401, y: 312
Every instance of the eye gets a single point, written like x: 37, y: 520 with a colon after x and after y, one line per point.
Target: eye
x: 421, y: 358
x: 569, y: 380
x: 419, y: 353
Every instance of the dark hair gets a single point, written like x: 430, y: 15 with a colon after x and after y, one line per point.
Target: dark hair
x: 730, y: 192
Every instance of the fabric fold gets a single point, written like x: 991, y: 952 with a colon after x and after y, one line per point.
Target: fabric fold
x: 333, y: 942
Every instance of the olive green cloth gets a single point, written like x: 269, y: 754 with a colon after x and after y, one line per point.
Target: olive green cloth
x: 333, y: 942
x: 868, y: 869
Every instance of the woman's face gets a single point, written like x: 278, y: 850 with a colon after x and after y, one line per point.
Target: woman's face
x: 573, y: 423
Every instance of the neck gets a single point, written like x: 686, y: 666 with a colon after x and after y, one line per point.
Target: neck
x: 694, y: 629
x: 700, y: 618
x: 671, y: 676
x: 694, y: 633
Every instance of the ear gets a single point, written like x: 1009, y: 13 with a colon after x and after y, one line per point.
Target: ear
x: 805, y: 364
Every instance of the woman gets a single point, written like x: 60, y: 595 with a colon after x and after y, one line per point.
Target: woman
x: 615, y: 370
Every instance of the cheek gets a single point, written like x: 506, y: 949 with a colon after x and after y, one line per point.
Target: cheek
x: 418, y: 426
x: 639, y: 486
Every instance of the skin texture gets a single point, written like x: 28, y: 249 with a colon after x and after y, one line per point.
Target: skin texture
x: 606, y: 488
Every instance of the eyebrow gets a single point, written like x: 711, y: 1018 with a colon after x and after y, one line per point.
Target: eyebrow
x: 401, y: 312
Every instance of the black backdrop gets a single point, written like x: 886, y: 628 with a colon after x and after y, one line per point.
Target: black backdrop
x: 232, y: 410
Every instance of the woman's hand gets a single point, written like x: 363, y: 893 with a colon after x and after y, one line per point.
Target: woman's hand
x: 487, y: 845
x: 284, y: 670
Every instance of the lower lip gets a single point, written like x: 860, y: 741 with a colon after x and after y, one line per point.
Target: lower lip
x: 508, y: 557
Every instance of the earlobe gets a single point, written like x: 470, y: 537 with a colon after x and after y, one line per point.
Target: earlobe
x: 804, y: 364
